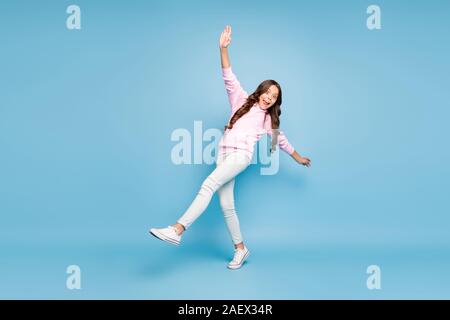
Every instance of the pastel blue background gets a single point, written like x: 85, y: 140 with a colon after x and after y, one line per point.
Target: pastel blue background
x: 85, y: 169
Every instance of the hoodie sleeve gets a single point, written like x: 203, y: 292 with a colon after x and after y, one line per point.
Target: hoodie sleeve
x: 236, y: 94
x: 282, y: 140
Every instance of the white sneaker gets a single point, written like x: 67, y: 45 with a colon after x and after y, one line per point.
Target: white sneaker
x: 168, y: 234
x: 239, y: 257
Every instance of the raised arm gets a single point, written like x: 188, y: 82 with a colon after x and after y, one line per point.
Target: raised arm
x: 224, y: 42
x: 236, y: 94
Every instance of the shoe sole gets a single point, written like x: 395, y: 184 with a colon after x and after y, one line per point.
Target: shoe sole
x: 239, y: 265
x: 162, y: 237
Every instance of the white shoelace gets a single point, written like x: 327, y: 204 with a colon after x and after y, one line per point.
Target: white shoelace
x: 239, y: 255
x: 174, y: 230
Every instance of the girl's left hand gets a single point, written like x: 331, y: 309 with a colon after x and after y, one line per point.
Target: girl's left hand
x: 305, y: 161
x: 302, y: 160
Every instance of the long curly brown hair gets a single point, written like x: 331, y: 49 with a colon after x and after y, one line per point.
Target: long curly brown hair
x: 274, y: 110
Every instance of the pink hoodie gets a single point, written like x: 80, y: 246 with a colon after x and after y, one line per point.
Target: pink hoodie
x: 251, y: 126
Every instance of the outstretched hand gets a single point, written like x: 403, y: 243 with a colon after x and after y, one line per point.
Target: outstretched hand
x: 301, y: 160
x: 305, y: 161
x: 225, y: 37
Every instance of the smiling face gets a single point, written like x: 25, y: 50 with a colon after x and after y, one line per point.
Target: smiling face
x: 268, y: 98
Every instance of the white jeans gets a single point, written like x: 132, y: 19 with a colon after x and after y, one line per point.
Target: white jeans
x: 229, y: 165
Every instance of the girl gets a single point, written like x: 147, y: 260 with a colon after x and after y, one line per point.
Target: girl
x: 251, y: 117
